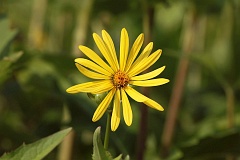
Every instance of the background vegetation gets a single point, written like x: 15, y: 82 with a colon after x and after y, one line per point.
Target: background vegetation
x: 200, y: 40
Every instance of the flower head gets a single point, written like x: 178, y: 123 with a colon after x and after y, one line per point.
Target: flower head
x: 118, y: 77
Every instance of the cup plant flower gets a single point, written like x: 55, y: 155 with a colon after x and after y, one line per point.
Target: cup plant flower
x: 118, y: 74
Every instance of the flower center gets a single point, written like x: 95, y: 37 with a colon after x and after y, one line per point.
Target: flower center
x: 120, y: 79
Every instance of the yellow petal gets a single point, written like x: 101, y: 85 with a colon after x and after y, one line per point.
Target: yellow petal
x: 95, y: 58
x: 81, y: 87
x: 141, y: 98
x: 151, y: 103
x: 149, y: 75
x: 135, y: 94
x: 127, y: 110
x: 124, y: 46
x: 87, y: 87
x: 109, y: 43
x: 102, y: 88
x: 93, y: 66
x: 116, y: 111
x: 105, y: 51
x: 145, y: 53
x: 103, y: 106
x: 134, y: 51
x: 145, y: 64
x: 150, y: 83
x: 90, y: 74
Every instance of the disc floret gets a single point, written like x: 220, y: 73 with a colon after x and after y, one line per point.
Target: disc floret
x: 120, y: 79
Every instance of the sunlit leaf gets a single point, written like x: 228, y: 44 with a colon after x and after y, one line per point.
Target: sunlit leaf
x: 99, y: 152
x: 38, y: 149
x: 120, y: 157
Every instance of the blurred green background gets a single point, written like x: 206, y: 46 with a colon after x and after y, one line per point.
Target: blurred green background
x: 200, y: 40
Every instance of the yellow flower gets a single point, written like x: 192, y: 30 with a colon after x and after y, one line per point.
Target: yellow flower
x: 117, y: 78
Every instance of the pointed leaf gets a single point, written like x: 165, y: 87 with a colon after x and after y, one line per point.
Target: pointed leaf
x: 118, y: 157
x: 37, y: 150
x: 127, y: 157
x: 99, y: 153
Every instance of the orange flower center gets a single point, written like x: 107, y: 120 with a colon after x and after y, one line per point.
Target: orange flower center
x: 120, y: 79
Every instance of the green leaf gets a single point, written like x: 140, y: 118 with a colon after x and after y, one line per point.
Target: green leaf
x: 99, y: 153
x: 6, y: 63
x: 13, y: 57
x: 38, y: 149
x: 6, y: 35
x: 127, y: 157
x: 121, y: 158
x: 118, y: 157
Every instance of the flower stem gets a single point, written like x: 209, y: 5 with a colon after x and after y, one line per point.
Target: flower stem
x: 108, y: 130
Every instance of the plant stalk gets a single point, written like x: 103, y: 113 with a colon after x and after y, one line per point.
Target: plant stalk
x: 175, y: 100
x: 108, y: 130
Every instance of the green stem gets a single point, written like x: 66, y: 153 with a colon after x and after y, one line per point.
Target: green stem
x: 230, y: 105
x: 108, y: 130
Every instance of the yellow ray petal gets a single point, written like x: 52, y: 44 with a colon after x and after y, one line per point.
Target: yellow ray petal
x: 135, y: 94
x: 145, y: 53
x: 86, y: 87
x: 109, y: 43
x: 103, y: 106
x: 151, y: 103
x: 91, y: 74
x: 150, y: 83
x: 149, y: 75
x: 116, y: 111
x: 127, y: 110
x: 81, y: 87
x: 124, y: 46
x: 102, y: 88
x: 93, y: 66
x: 134, y: 51
x: 144, y: 64
x: 95, y: 58
x: 104, y: 50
